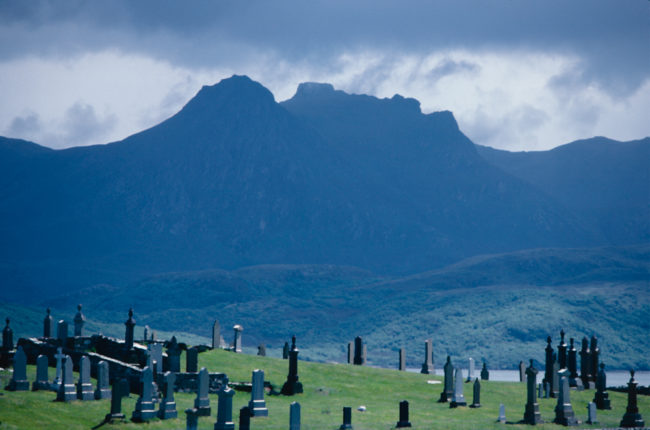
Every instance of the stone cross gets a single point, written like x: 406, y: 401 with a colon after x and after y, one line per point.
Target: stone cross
x: 192, y: 360
x: 561, y: 351
x: 292, y: 385
x: 285, y: 351
x: 522, y: 372
x: 531, y: 414
x: 62, y: 332
x: 103, y: 390
x: 601, y: 398
x: 144, y: 408
x: 257, y: 405
x: 41, y: 382
x: 470, y: 370
x: 458, y: 398
x: 173, y: 356
x: 595, y: 355
x: 585, y: 364
x: 67, y: 390
x: 403, y: 415
x: 402, y: 360
x: 502, y: 414
x: 427, y: 365
x: 79, y: 321
x: 128, y: 333
x: 116, y: 402
x: 632, y: 417
x: 245, y: 418
x: 7, y: 337
x: 261, y: 350
x: 202, y: 401
x: 591, y: 413
x: 167, y: 408
x: 358, y: 351
x: 216, y: 335
x: 294, y: 416
x: 19, y: 380
x: 224, y: 408
x: 47, y: 325
x: 564, y: 414
x: 572, y: 365
x: 448, y: 386
x: 485, y: 374
x: 59, y: 368
x: 476, y: 400
x: 84, y: 386
x: 237, y: 341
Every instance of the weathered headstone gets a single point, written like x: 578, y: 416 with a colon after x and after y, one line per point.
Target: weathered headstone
x: 601, y: 398
x: 191, y: 419
x: 470, y: 369
x: 129, y: 325
x: 67, y: 390
x: 192, y: 360
x: 145, y: 335
x: 350, y: 353
x: 173, y: 356
x: 522, y: 372
x: 144, y: 407
x: 403, y: 415
x: 216, y: 335
x: 19, y: 380
x: 591, y: 413
x: 572, y: 365
x: 294, y: 416
x: 167, y: 408
x: 257, y: 405
x: 448, y: 386
x: 79, y: 321
x: 224, y: 408
x: 555, y: 382
x: 485, y: 373
x: 261, y: 350
x: 548, y: 363
x: 358, y: 351
x: 116, y: 402
x: 585, y: 365
x: 595, y: 356
x: 532, y: 414
x: 237, y: 344
x: 458, y: 398
x: 427, y: 365
x: 561, y: 351
x: 62, y: 332
x: 245, y: 418
x: 103, y: 390
x: 84, y: 386
x: 564, y: 414
x: 502, y: 414
x: 347, y: 419
x: 202, y: 401
x: 59, y: 356
x: 540, y: 390
x: 42, y: 382
x: 47, y: 325
x: 547, y: 390
x: 7, y: 337
x: 476, y: 398
x: 292, y: 385
x: 402, y: 360
x: 156, y: 354
x: 285, y: 351
x: 364, y: 355
x: 632, y: 417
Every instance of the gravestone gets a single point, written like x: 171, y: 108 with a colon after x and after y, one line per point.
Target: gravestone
x: 350, y: 353
x: 292, y: 385
x: 116, y: 402
x: 103, y: 390
x: 47, y: 325
x: 192, y: 360
x: 62, y: 332
x: 458, y: 398
x: 564, y: 414
x: 156, y: 354
x: 585, y: 365
x: 79, y: 321
x: 532, y: 414
x: 601, y: 398
x: 144, y: 408
x: 358, y: 351
x: 502, y: 414
x: 561, y: 351
x: 151, y: 364
x: 202, y: 401
x: 540, y: 390
x: 548, y: 363
x: 245, y: 418
x: 237, y: 341
x: 522, y: 372
x: 402, y: 360
x: 67, y: 390
x: 59, y: 369
x: 19, y: 380
x: 216, y: 335
x: 129, y: 330
x: 191, y: 419
x: 485, y: 373
x: 224, y: 408
x: 261, y: 350
x: 294, y: 416
x: 572, y: 364
x: 555, y: 382
x: 145, y: 335
x: 347, y: 419
x: 595, y: 355
x: 427, y: 365
x: 470, y: 370
x: 632, y: 417
x: 547, y: 390
x: 448, y: 386
x: 41, y: 382
x: 403, y: 415
x: 591, y: 413
x: 7, y: 337
x: 476, y: 399
x: 364, y: 355
x: 257, y: 405
x: 285, y: 351
x: 84, y: 386
x: 167, y: 408
x: 173, y: 356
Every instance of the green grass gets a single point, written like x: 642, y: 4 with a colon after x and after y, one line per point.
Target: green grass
x: 327, y: 389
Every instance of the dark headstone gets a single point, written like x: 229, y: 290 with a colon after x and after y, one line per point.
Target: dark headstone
x: 62, y: 332
x: 347, y: 419
x: 261, y: 350
x: 7, y: 337
x: 257, y: 405
x: 522, y: 372
x: 595, y: 356
x: 427, y: 365
x: 245, y: 418
x: 67, y: 390
x: 84, y: 386
x: 48, y: 322
x: 202, y: 401
x: 402, y: 360
x: 103, y: 390
x: 191, y: 419
x: 42, y: 382
x: 403, y: 415
x: 129, y: 331
x: 350, y: 352
x: 532, y: 414
x: 358, y: 351
x: 116, y: 402
x: 548, y: 363
x: 167, y: 408
x: 632, y: 417
x: 601, y: 398
x: 173, y: 356
x: 572, y: 364
x: 485, y: 374
x: 79, y: 321
x: 294, y: 416
x: 458, y: 398
x: 292, y: 385
x: 237, y: 344
x: 561, y: 351
x: 224, y: 408
x: 216, y: 335
x: 564, y: 414
x: 19, y: 380
x: 285, y: 351
x: 144, y: 407
x: 145, y: 335
x: 476, y: 400
x: 192, y: 360
x: 448, y: 386
x: 585, y: 364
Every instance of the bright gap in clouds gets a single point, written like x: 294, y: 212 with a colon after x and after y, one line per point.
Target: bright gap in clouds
x: 509, y: 100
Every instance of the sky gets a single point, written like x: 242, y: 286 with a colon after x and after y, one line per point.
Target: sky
x: 518, y: 75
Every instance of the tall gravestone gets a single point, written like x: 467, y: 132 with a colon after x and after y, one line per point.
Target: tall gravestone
x: 427, y: 365
x: 245, y: 418
x: 257, y: 405
x: 347, y: 419
x: 116, y: 402
x: 285, y: 352
x: 595, y: 356
x: 591, y: 413
x: 216, y: 335
x: 403, y: 415
x: 585, y: 364
x: 144, y: 407
x: 522, y: 372
x: 358, y: 351
x: 448, y: 386
x: 59, y: 356
x: 145, y: 335
x: 294, y: 416
x: 237, y: 343
x: 62, y: 332
x: 79, y: 321
x: 67, y: 390
x: 564, y: 414
x: 561, y: 351
x: 84, y: 386
x: 485, y: 373
x: 7, y: 337
x: 42, y: 382
x: 502, y: 414
x: 470, y: 369
x: 555, y: 381
x: 103, y: 390
x: 572, y: 364
x: 402, y: 360
x: 632, y: 417
x: 476, y: 398
x: 601, y: 398
x: 364, y: 355
x: 48, y: 323
x: 224, y: 408
x: 151, y: 364
x: 350, y: 352
x: 191, y: 419
x: 458, y: 398
x: 167, y: 408
x: 173, y: 356
x: 532, y: 414
x: 548, y: 362
x: 129, y: 325
x: 19, y: 380
x: 292, y: 385
x: 192, y: 360
x: 202, y: 401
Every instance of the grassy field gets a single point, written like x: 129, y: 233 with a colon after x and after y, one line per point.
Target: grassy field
x: 327, y: 389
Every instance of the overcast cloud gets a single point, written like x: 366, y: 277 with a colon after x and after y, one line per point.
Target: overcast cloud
x: 518, y: 75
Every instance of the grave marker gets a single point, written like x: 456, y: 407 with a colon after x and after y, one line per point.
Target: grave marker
x: 522, y: 372
x: 41, y: 382
x: 245, y: 418
x: 403, y: 415
x: 129, y: 325
x: 402, y: 360
x: 216, y: 335
x: 564, y: 414
x: 294, y: 416
x: 191, y: 419
x: 261, y: 350
x: 79, y: 321
x: 116, y: 402
x: 572, y: 364
x: 427, y: 365
x: 173, y: 356
x: 292, y: 385
x: 532, y: 414
x: 347, y: 419
x: 144, y: 408
x: 595, y: 355
x: 358, y: 351
x: 458, y: 398
x: 103, y: 390
x: 257, y: 405
x: 84, y: 386
x: 585, y: 364
x: 237, y: 341
x: 476, y: 400
x: 62, y: 332
x: 555, y: 382
x: 448, y: 386
x: 485, y: 374
x: 202, y: 401
x: 591, y: 413
x: 59, y: 369
x: 502, y: 414
x: 47, y: 325
x: 601, y: 398
x: 7, y: 337
x: 224, y: 408
x: 167, y: 408
x: 470, y: 370
x: 632, y: 417
x: 192, y: 360
x: 561, y: 351
x: 67, y: 390
x: 19, y: 380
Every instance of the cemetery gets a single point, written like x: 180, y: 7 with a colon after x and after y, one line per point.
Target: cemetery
x: 59, y: 380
